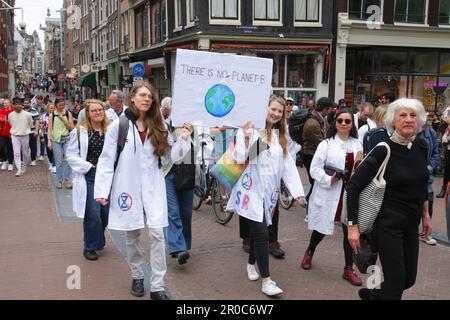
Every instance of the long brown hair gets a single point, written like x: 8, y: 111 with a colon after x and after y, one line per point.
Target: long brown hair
x: 280, y: 125
x: 153, y: 120
x: 87, y: 123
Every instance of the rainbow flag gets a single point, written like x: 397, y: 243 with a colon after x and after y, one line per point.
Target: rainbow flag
x: 227, y: 171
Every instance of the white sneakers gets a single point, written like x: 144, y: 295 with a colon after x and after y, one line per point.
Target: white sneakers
x: 21, y: 171
x: 4, y: 165
x: 251, y: 272
x: 270, y: 288
x: 429, y: 240
x: 53, y: 169
x: 33, y: 163
x: 50, y: 167
x: 41, y: 158
x: 10, y: 167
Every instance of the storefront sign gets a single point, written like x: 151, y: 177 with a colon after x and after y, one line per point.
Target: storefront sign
x: 215, y: 89
x: 433, y: 84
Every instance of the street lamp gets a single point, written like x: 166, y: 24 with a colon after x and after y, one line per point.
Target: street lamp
x: 22, y: 24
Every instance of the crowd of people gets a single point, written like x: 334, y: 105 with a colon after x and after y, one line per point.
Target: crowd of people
x: 129, y: 169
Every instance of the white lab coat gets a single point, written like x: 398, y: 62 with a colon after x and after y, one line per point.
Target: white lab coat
x: 137, y: 189
x: 324, y: 198
x: 356, y: 121
x: 257, y: 190
x: 112, y: 115
x: 76, y: 157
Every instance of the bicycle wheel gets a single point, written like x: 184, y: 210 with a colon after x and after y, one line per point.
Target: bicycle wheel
x: 198, y: 197
x: 219, y: 203
x: 286, y: 200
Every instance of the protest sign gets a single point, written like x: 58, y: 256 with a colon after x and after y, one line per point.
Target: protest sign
x: 216, y: 89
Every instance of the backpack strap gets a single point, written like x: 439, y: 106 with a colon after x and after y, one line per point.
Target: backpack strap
x: 122, y: 137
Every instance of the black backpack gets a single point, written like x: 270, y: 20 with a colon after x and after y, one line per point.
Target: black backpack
x: 373, y: 137
x: 296, y: 123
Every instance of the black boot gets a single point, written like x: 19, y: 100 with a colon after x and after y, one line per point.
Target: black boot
x: 441, y: 194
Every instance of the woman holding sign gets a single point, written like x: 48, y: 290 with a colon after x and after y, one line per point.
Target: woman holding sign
x: 255, y: 195
x: 136, y: 186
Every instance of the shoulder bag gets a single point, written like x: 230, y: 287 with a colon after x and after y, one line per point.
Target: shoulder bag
x: 371, y: 197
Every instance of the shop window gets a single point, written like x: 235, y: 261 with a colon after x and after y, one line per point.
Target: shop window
x: 444, y: 12
x: 445, y: 63
x: 307, y: 10
x: 410, y: 11
x: 442, y: 90
x: 278, y: 68
x: 301, y: 71
x: 390, y: 61
x: 357, y: 9
x: 224, y: 9
x: 423, y: 62
x: 423, y: 89
x: 301, y: 98
x: 267, y: 10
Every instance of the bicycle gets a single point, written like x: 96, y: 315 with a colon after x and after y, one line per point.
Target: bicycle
x: 208, y: 186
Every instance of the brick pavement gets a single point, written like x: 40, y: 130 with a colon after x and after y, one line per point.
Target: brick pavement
x: 36, y: 248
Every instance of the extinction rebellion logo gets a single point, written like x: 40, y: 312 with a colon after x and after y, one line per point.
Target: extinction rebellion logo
x: 125, y: 201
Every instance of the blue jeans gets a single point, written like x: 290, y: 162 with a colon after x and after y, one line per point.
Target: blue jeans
x: 179, y: 204
x: 50, y: 157
x: 95, y: 217
x: 59, y: 152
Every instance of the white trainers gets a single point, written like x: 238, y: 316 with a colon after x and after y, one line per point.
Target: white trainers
x: 270, y: 288
x: 41, y: 158
x: 33, y: 163
x: 53, y: 169
x: 429, y: 240
x: 251, y: 272
x: 10, y: 167
x: 19, y: 173
x: 50, y: 167
x: 24, y: 169
x: 4, y: 165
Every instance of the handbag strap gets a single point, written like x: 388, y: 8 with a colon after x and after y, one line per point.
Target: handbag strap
x: 383, y: 166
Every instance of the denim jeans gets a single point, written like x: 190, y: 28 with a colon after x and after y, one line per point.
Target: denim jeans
x: 50, y: 156
x: 179, y: 205
x: 95, y: 217
x: 59, y: 152
x: 136, y: 260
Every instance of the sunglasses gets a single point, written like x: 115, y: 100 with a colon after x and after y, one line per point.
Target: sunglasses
x: 340, y: 120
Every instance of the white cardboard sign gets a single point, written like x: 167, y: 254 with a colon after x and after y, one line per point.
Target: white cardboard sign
x: 216, y: 89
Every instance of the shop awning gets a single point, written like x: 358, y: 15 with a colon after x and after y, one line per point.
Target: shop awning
x: 87, y: 80
x: 282, y: 48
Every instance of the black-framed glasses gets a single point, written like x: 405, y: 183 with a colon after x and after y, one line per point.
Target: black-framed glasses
x: 340, y: 120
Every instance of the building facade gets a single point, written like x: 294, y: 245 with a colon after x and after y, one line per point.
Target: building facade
x: 400, y: 46
x: 8, y: 51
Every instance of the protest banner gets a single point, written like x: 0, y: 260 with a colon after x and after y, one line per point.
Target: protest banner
x: 216, y: 89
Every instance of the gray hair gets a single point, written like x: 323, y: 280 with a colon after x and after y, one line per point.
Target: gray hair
x: 119, y: 94
x: 411, y: 104
x: 166, y: 103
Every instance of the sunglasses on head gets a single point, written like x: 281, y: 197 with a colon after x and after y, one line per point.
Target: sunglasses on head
x: 340, y: 120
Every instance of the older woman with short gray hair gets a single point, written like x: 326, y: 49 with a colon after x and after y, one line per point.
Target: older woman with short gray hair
x: 394, y: 234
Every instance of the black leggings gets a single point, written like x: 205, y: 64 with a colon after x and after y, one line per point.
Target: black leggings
x: 317, y: 237
x: 6, y: 149
x: 244, y: 228
x: 259, y: 248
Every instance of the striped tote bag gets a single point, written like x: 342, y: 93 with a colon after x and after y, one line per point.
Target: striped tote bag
x: 371, y: 198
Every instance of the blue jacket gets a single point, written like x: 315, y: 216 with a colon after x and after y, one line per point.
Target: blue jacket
x: 433, y: 157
